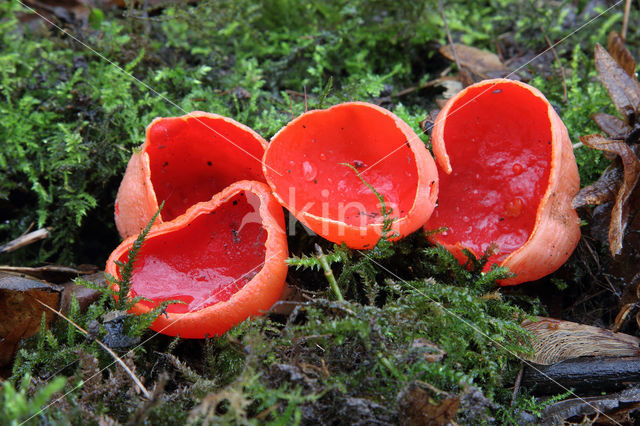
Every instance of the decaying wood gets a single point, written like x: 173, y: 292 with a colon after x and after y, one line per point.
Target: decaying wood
x: 20, y: 313
x: 21, y: 309
x: 556, y: 340
x: 587, y: 375
x: 607, y: 409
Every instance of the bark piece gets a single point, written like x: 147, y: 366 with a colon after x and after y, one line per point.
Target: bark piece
x: 617, y: 408
x: 584, y: 375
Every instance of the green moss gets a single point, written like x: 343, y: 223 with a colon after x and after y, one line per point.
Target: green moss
x: 411, y: 314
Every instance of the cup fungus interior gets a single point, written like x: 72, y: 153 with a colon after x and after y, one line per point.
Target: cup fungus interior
x: 303, y: 164
x: 204, y: 261
x: 498, y: 138
x: 192, y: 158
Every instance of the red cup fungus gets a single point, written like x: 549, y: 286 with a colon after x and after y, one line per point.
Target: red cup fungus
x: 225, y: 258
x: 507, y: 176
x: 303, y: 166
x: 185, y: 160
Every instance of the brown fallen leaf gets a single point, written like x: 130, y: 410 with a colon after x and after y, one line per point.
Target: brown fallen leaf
x: 556, y: 340
x: 19, y: 307
x: 631, y: 166
x: 619, y: 52
x: 613, y: 126
x: 623, y: 89
x: 602, y: 190
x: 481, y: 62
x: 420, y: 408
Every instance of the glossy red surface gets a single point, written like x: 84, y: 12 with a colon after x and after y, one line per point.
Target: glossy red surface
x: 205, y: 262
x: 192, y: 158
x: 498, y: 139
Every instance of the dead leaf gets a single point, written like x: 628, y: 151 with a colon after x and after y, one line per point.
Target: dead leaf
x: 613, y: 126
x: 602, y: 190
x: 631, y: 165
x: 480, y: 62
x: 430, y: 120
x: 19, y: 307
x: 556, y: 340
x: 623, y: 89
x: 619, y: 52
x: 419, y: 408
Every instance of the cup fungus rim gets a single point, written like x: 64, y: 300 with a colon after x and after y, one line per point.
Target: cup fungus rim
x: 559, y: 138
x: 140, y: 162
x: 272, y: 272
x: 426, y: 187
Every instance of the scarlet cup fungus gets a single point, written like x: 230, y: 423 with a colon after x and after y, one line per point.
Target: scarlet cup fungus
x: 507, y: 175
x: 225, y: 258
x: 185, y: 160
x: 304, y: 165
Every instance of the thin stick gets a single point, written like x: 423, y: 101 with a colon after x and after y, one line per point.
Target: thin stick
x: 291, y: 108
x: 328, y: 273
x: 306, y: 107
x: 555, y: 55
x: 516, y: 387
x: 625, y: 19
x: 25, y: 240
x: 415, y: 88
x: 106, y: 348
x: 446, y: 27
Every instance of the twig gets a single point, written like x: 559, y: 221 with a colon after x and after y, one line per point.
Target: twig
x: 25, y: 240
x: 415, y: 88
x: 291, y: 108
x: 446, y: 27
x: 299, y: 94
x: 328, y: 273
x: 516, y: 387
x: 106, y: 348
x: 625, y: 19
x: 306, y: 106
x: 464, y: 75
x: 555, y: 55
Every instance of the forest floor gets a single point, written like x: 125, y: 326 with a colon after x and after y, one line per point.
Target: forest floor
x: 418, y: 338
